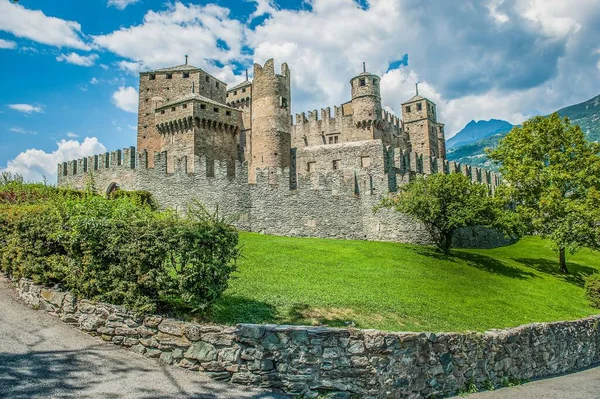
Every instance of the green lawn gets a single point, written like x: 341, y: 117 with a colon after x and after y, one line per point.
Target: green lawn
x: 400, y: 287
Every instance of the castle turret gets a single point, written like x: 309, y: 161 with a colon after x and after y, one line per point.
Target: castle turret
x: 271, y: 117
x: 366, y: 97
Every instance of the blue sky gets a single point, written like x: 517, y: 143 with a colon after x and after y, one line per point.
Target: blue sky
x: 69, y: 68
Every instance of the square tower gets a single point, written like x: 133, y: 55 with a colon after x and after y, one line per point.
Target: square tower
x: 420, y: 122
x: 164, y: 86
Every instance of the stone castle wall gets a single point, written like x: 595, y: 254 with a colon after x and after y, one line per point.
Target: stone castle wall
x: 327, y: 204
x: 343, y: 363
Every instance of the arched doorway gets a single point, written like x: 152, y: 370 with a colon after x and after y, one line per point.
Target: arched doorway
x: 112, y: 187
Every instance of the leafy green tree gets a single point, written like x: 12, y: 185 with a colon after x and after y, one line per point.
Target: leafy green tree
x: 444, y: 204
x: 552, y: 175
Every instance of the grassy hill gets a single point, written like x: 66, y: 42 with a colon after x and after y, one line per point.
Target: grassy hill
x: 400, y: 287
x: 586, y: 115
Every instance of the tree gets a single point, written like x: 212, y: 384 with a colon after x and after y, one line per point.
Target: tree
x: 552, y: 175
x: 445, y: 203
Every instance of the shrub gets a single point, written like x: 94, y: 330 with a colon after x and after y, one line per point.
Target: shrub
x: 201, y: 253
x: 119, y: 251
x: 592, y: 289
x: 141, y: 197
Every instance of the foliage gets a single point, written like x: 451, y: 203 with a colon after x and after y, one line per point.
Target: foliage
x: 140, y: 197
x: 399, y: 287
x: 592, y: 289
x: 552, y: 175
x: 199, y: 252
x: 445, y: 203
x: 119, y: 251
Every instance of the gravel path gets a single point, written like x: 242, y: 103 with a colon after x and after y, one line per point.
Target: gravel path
x: 42, y: 357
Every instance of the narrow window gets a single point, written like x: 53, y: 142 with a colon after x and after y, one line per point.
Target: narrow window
x: 207, y: 79
x: 336, y: 164
x: 330, y: 140
x: 202, y: 106
x: 365, y: 162
x: 283, y: 102
x: 363, y: 82
x: 172, y: 108
x: 244, y: 90
x: 162, y: 111
x: 186, y: 75
x: 311, y: 166
x: 228, y: 113
x: 235, y: 92
x: 217, y: 84
x: 408, y: 109
x: 184, y: 106
x: 152, y: 77
x: 169, y: 76
x: 216, y: 109
x: 419, y: 106
x: 335, y: 139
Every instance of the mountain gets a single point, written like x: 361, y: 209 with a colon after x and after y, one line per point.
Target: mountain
x: 475, y: 131
x: 586, y: 115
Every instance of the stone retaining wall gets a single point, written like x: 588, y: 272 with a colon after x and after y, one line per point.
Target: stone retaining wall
x: 340, y: 363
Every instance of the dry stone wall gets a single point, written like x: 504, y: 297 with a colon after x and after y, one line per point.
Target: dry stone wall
x: 338, y: 363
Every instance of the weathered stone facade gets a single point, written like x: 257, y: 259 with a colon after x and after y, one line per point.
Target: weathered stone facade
x: 336, y: 204
x: 339, y: 363
x: 239, y: 149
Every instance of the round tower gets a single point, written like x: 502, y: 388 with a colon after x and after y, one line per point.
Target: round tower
x: 271, y: 117
x: 366, y: 97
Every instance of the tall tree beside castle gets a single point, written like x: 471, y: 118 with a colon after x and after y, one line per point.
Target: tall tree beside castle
x: 552, y: 174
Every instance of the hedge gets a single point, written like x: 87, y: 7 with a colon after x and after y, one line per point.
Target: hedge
x: 117, y: 250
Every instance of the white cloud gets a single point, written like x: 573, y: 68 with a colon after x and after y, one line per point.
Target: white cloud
x: 132, y: 67
x: 20, y: 130
x: 263, y: 7
x: 205, y: 32
x: 37, y: 26
x: 94, y: 81
x: 121, y: 4
x: 76, y: 59
x: 72, y: 135
x: 513, y: 59
x: 126, y: 98
x: 7, y: 44
x: 35, y: 164
x: 26, y: 108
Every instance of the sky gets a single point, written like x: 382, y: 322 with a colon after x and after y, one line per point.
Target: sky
x: 69, y: 69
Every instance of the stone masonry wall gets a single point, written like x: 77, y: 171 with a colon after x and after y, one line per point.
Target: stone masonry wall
x: 340, y: 363
x: 328, y: 204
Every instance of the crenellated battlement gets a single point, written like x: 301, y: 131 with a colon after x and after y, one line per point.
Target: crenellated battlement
x: 407, y: 162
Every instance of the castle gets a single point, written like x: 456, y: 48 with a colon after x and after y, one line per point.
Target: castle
x: 240, y: 150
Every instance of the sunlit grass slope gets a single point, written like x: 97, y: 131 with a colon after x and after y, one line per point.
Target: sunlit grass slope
x: 400, y: 287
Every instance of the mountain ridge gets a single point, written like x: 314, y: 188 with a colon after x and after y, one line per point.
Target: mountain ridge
x: 585, y: 114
